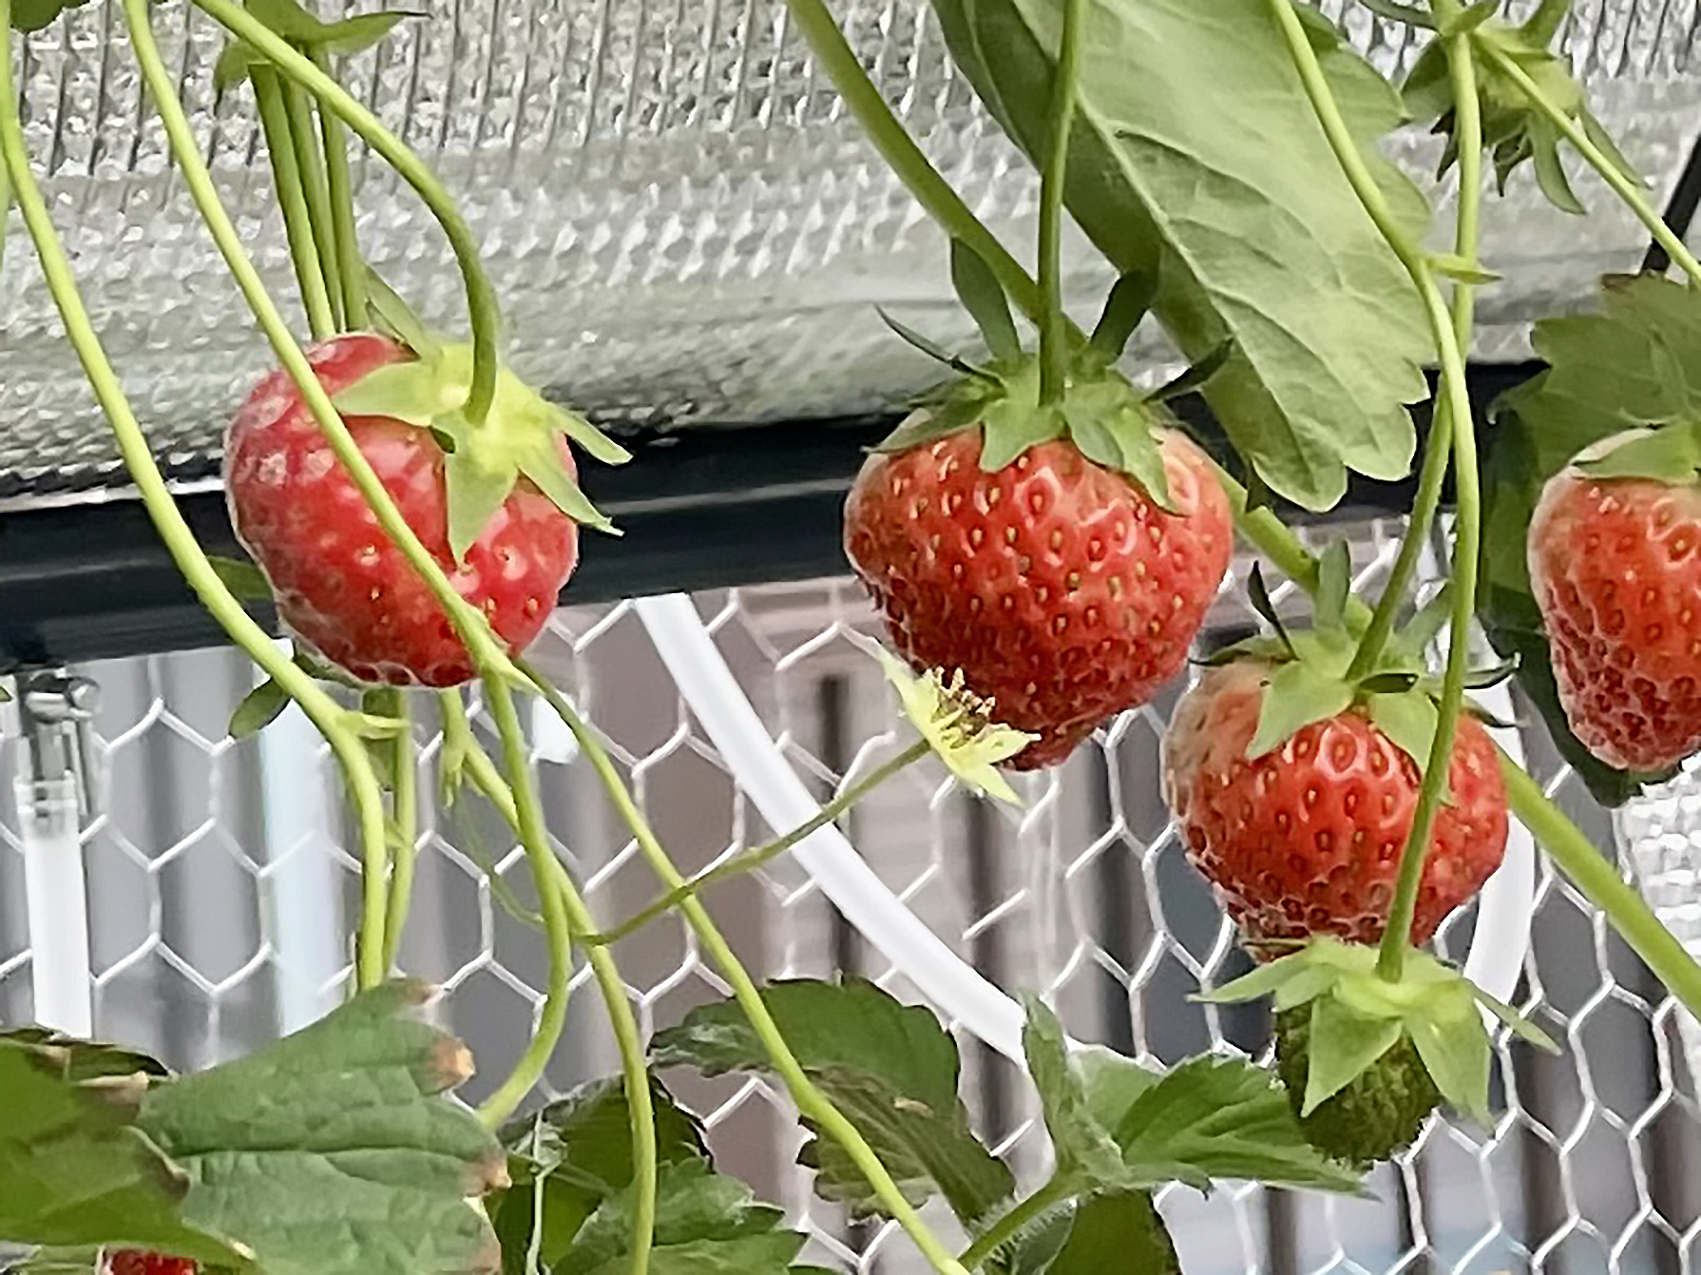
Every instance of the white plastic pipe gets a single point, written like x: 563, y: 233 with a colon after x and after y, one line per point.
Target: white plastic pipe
x: 56, y: 898
x: 761, y: 770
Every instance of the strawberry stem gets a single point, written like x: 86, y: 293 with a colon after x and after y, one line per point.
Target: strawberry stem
x: 1467, y: 238
x: 1396, y: 939
x: 352, y: 265
x: 1006, y: 1228
x: 404, y: 818
x: 1626, y: 188
x: 553, y: 879
x: 752, y: 859
x: 292, y: 200
x: 936, y: 196
x: 1054, y: 333
x: 311, y: 165
x: 812, y: 1104
x: 481, y: 298
x: 331, y: 719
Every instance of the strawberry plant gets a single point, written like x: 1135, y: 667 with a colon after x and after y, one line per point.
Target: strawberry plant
x: 1044, y: 541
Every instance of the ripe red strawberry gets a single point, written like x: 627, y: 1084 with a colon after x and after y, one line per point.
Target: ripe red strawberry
x: 1616, y: 568
x: 1062, y: 591
x: 340, y: 584
x: 132, y: 1261
x: 1306, y: 839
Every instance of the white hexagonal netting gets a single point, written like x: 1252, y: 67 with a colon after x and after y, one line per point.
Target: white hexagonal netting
x: 221, y: 890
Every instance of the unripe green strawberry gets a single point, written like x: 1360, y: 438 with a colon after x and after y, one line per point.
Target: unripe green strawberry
x: 1377, y: 1115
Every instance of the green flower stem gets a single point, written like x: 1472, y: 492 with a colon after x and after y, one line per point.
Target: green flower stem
x: 292, y: 200
x: 1467, y: 238
x: 554, y: 881
x: 341, y: 189
x: 906, y: 159
x: 481, y: 298
x: 1468, y: 519
x: 334, y: 722
x: 811, y: 1103
x: 750, y: 860
x: 1054, y: 332
x: 1006, y: 1228
x: 310, y: 162
x: 404, y: 815
x: 487, y: 652
x: 1599, y: 880
x: 1467, y: 522
x: 1626, y: 188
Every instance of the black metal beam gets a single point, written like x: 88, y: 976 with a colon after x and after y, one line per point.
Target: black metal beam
x: 700, y: 509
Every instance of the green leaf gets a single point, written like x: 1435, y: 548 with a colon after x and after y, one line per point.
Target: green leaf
x: 1344, y: 1045
x: 245, y: 580
x: 258, y: 709
x: 706, y: 1224
x: 1130, y: 300
x: 577, y: 1153
x: 1215, y: 1118
x: 74, y: 1167
x: 1112, y: 1082
x: 892, y: 1069
x: 1604, y: 377
x: 34, y: 15
x: 983, y: 297
x: 1085, y: 1155
x: 1117, y: 1233
x: 1298, y: 695
x: 1258, y: 235
x: 332, y: 1152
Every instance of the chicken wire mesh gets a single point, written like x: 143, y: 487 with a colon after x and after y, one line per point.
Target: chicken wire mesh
x: 683, y: 224
x: 222, y: 889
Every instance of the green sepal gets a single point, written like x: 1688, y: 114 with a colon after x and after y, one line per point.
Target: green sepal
x: 1452, y: 266
x: 1130, y: 298
x: 1298, y: 695
x: 931, y: 348
x: 1671, y: 454
x: 983, y: 297
x: 1433, y: 1004
x: 34, y: 15
x: 395, y: 317
x: 1344, y: 1044
x: 1334, y: 583
x: 1396, y: 12
x: 346, y: 36
x: 519, y: 438
x: 1426, y: 624
x: 1194, y: 378
x: 1409, y: 720
x: 1258, y: 593
x: 244, y: 579
x: 1106, y: 418
x: 258, y: 709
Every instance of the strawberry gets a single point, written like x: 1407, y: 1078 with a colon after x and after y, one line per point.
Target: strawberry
x: 498, y: 512
x: 1062, y: 591
x: 132, y: 1261
x: 1616, y: 567
x: 1304, y: 838
x: 1375, y: 1115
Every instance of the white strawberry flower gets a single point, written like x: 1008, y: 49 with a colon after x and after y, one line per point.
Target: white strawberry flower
x: 959, y: 726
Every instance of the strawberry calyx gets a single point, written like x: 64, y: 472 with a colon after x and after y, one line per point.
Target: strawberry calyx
x: 519, y: 438
x: 1312, y: 676
x: 1666, y: 448
x: 1108, y: 419
x: 1357, y: 1016
x: 1513, y: 130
